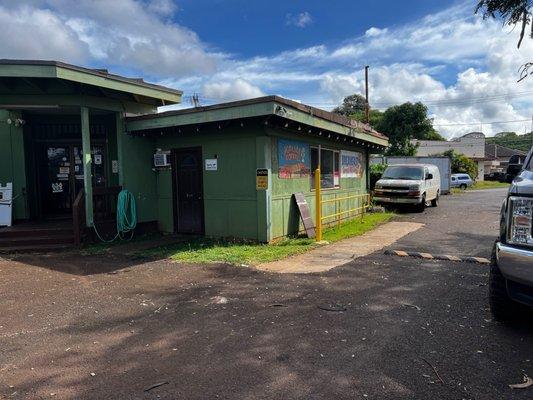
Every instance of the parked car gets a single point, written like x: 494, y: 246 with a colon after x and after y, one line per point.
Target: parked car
x: 516, y: 162
x: 495, y: 176
x: 461, y: 181
x: 416, y: 184
x: 511, y: 272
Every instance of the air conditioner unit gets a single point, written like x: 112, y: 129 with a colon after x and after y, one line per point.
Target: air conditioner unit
x: 161, y: 160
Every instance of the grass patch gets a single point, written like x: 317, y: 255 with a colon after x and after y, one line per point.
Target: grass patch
x: 483, y: 185
x: 205, y: 250
x: 489, y: 185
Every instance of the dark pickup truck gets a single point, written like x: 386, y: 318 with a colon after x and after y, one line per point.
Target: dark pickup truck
x: 511, y: 273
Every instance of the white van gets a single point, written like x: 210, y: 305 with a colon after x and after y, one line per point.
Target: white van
x: 416, y: 184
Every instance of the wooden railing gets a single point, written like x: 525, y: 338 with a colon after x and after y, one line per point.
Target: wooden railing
x: 104, y: 208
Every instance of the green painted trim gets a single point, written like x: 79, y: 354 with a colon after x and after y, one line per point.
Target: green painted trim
x: 225, y: 114
x: 246, y: 111
x: 119, y: 117
x: 308, y: 119
x: 94, y: 102
x: 88, y: 77
x: 87, y: 163
x: 110, y: 83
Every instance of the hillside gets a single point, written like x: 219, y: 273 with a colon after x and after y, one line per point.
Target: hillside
x: 512, y: 140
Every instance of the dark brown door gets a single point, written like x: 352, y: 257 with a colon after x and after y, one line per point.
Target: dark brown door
x: 188, y: 190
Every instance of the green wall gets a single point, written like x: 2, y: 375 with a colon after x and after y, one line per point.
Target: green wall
x: 232, y: 205
x: 12, y: 162
x: 285, y: 216
x: 138, y: 176
x: 230, y: 198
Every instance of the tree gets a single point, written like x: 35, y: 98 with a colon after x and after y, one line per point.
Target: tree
x: 351, y: 105
x: 461, y: 163
x: 375, y: 117
x: 402, y: 124
x: 512, y: 12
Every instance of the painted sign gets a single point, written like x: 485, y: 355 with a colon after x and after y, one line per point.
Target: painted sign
x: 293, y: 159
x: 211, y: 164
x: 64, y: 170
x: 57, y: 187
x: 352, y: 164
x: 261, y: 179
x: 114, y: 166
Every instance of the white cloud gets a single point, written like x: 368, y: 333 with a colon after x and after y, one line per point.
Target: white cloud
x: 124, y: 33
x: 300, y: 20
x: 450, y: 60
x: 228, y: 91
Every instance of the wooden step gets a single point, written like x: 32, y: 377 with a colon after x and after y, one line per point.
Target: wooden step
x: 37, y: 239
x: 35, y: 249
x: 36, y: 231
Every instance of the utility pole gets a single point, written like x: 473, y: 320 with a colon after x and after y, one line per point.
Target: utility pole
x: 367, y: 105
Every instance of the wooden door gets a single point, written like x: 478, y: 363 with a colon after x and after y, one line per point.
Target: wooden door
x: 188, y: 190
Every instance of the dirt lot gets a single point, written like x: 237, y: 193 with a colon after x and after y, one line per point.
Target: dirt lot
x: 107, y: 327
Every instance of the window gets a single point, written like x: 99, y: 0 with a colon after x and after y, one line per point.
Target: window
x: 329, y: 168
x: 403, y: 172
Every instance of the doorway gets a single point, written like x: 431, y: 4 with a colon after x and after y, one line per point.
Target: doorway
x: 188, y: 190
x: 60, y: 176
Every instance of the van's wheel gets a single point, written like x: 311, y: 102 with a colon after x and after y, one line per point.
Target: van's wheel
x: 462, y: 186
x: 503, y: 309
x: 422, y: 206
x: 435, y: 201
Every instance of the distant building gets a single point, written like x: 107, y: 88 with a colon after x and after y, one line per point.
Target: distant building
x: 497, y: 157
x: 471, y: 145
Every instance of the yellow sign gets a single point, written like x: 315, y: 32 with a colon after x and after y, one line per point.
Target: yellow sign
x: 261, y: 179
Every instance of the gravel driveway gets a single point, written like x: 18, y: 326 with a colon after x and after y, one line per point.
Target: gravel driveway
x: 381, y: 327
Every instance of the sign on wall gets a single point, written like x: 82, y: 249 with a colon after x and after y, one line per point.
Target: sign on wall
x: 352, y: 164
x: 211, y: 164
x: 293, y: 159
x: 261, y: 179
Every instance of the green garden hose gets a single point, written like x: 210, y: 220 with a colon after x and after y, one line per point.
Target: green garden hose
x: 126, y: 217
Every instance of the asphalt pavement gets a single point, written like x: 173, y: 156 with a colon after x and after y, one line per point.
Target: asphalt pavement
x: 380, y: 327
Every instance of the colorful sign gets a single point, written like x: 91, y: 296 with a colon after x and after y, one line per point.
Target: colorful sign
x: 293, y: 159
x: 261, y: 179
x: 352, y: 164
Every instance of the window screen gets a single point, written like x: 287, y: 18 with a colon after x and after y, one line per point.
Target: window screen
x: 329, y: 168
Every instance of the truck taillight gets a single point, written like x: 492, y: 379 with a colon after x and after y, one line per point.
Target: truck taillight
x: 520, y: 220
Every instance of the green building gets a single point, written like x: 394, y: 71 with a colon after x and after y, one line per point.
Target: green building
x: 71, y: 138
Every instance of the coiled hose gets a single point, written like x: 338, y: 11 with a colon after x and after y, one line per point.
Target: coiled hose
x: 126, y: 217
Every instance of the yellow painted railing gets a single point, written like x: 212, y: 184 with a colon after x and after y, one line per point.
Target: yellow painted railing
x: 365, y: 204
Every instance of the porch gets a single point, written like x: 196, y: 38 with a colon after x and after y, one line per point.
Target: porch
x: 61, y: 132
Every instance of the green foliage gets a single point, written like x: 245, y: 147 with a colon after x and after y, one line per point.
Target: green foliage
x: 461, y: 163
x: 352, y: 104
x: 512, y: 140
x: 375, y: 117
x: 402, y: 124
x: 376, y: 170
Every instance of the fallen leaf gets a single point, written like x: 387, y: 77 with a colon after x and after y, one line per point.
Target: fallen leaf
x: 525, y: 384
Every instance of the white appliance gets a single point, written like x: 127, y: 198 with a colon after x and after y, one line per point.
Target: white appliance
x: 161, y: 159
x: 6, y: 204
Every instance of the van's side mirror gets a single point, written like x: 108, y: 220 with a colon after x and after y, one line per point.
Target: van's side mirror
x: 429, y: 176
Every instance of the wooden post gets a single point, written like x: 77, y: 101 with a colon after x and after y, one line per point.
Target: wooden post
x: 119, y: 123
x: 318, y: 207
x: 87, y: 164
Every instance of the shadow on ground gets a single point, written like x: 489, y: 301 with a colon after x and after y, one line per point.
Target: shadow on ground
x: 225, y: 332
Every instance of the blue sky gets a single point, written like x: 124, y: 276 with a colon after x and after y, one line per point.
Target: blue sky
x: 438, y: 52
x: 267, y: 24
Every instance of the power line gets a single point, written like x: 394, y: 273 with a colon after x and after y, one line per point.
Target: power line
x: 483, y: 123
